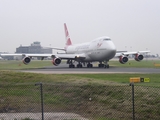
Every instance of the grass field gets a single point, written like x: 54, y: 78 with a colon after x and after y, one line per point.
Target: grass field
x: 17, y: 64
x: 20, y: 77
x: 71, y: 92
x: 66, y: 92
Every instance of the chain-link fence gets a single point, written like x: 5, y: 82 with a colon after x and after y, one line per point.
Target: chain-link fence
x: 79, y: 102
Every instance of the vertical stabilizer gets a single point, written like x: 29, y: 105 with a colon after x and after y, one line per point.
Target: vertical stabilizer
x: 68, y: 40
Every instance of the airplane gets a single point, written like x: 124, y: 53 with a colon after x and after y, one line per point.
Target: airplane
x: 101, y: 49
x: 1, y: 58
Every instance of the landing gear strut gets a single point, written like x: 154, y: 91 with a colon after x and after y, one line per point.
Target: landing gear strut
x: 89, y: 65
x: 79, y: 65
x: 71, y: 65
x: 106, y: 65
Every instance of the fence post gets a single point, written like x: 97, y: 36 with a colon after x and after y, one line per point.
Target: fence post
x: 41, y: 89
x: 133, y: 110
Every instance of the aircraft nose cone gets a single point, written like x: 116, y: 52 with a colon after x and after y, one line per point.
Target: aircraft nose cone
x: 112, y: 51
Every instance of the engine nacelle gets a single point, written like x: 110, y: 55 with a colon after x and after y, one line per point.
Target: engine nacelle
x: 123, y: 59
x: 26, y: 60
x: 138, y: 57
x: 56, y: 61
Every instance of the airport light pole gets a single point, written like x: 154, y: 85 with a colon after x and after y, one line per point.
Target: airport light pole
x: 125, y: 48
x: 41, y: 98
x: 146, y: 54
x: 131, y: 51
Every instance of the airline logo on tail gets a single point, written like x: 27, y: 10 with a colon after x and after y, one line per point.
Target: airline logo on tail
x: 68, y: 40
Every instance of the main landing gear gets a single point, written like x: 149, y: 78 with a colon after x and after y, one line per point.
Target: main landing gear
x: 79, y: 65
x: 105, y: 65
x: 89, y: 65
x: 71, y: 65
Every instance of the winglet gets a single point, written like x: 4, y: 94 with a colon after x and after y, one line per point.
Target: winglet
x: 68, y: 40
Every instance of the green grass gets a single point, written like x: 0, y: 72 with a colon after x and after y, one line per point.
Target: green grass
x: 93, y: 95
x: 13, y: 64
x: 122, y: 78
x: 20, y: 77
x: 72, y: 92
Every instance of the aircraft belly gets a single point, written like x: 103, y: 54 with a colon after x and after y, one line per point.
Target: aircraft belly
x: 96, y: 55
x: 101, y: 55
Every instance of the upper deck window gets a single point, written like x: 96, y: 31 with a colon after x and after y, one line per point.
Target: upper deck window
x: 107, y: 39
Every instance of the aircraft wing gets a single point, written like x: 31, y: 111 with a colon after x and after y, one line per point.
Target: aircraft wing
x: 28, y: 55
x: 55, y: 48
x: 130, y: 53
x: 62, y: 56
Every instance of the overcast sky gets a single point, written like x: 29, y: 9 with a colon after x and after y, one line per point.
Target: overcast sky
x: 132, y: 25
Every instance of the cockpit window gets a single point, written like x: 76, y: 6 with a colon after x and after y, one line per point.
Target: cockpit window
x: 107, y: 39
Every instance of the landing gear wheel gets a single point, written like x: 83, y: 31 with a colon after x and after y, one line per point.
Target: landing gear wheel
x: 71, y: 66
x: 89, y: 65
x: 101, y: 65
x: 79, y: 65
x: 106, y: 66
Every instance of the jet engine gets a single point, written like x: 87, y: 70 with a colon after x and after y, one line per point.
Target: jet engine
x: 123, y: 59
x: 26, y: 60
x: 56, y: 61
x: 138, y: 57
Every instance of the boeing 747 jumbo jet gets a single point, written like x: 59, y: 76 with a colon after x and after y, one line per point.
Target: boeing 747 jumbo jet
x: 101, y: 49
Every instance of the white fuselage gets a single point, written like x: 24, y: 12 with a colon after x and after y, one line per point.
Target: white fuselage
x: 100, y: 49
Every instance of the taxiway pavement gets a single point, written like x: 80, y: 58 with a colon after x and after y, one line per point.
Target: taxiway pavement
x: 63, y: 69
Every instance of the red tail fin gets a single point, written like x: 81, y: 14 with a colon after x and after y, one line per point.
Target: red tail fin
x: 68, y: 40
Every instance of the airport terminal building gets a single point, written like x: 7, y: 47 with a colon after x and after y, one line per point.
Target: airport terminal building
x: 35, y: 47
